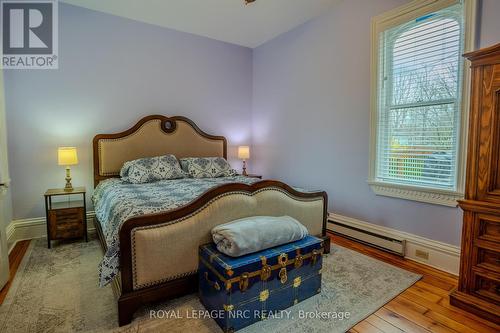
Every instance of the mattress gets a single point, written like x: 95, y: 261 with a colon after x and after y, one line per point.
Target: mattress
x: 116, y: 201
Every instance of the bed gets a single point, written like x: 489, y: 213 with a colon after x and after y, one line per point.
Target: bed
x: 145, y: 229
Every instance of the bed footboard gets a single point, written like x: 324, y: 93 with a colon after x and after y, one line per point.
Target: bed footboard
x: 159, y: 252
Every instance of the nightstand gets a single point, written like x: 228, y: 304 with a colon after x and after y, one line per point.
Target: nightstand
x: 254, y: 176
x: 66, y: 219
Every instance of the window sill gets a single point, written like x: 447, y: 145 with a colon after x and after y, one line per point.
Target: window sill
x: 415, y: 193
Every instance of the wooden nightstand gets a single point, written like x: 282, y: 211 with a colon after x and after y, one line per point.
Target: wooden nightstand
x: 254, y: 176
x: 65, y: 219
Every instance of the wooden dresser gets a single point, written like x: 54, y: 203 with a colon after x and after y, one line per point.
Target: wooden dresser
x: 479, y: 282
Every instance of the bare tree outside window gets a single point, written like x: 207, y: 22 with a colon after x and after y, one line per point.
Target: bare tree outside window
x: 420, y: 101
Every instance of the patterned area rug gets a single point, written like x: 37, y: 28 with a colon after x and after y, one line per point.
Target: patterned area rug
x: 57, y: 291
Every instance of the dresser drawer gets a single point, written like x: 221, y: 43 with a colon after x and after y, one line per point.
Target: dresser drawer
x: 488, y: 259
x: 66, y: 223
x: 488, y: 228
x: 487, y: 286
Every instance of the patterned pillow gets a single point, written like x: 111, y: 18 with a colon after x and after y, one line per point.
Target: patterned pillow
x: 151, y: 169
x: 207, y: 167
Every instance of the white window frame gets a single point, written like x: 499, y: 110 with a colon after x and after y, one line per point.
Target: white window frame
x: 4, y: 165
x: 396, y: 17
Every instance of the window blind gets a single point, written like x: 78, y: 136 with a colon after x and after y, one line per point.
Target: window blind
x: 419, y: 100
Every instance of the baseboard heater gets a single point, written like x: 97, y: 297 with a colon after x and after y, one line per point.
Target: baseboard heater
x: 385, y: 243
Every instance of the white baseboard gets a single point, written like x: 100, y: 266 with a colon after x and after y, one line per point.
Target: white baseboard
x: 445, y: 257
x: 33, y: 228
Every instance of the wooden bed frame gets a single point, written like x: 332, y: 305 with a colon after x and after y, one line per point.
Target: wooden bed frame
x: 130, y: 298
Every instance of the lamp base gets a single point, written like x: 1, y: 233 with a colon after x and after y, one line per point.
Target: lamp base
x: 244, y: 173
x: 68, y: 187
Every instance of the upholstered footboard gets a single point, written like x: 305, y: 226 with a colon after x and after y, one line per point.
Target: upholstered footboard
x: 161, y: 250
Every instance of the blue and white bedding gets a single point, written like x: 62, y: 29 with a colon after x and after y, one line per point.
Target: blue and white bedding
x: 116, y: 201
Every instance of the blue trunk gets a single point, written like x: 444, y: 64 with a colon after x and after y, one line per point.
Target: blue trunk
x: 241, y: 291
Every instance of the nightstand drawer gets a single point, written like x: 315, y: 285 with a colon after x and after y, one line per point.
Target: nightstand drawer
x: 66, y: 223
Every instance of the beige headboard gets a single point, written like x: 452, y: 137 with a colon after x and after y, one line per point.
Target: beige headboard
x: 153, y: 136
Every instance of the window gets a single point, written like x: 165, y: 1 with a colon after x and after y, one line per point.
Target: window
x: 419, y: 99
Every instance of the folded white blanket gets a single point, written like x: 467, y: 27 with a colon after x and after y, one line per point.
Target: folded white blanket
x: 256, y: 233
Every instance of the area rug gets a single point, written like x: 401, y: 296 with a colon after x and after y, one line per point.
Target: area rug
x: 57, y: 291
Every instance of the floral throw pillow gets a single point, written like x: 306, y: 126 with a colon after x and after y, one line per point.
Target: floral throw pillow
x: 151, y: 169
x: 207, y: 167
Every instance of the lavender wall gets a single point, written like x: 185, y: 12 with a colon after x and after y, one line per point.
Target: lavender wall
x: 489, y: 30
x: 112, y: 72
x: 311, y: 111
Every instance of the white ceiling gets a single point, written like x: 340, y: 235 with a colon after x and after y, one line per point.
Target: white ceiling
x: 227, y: 20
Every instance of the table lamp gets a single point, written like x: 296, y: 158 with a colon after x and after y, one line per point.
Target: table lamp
x: 67, y: 156
x: 244, y: 154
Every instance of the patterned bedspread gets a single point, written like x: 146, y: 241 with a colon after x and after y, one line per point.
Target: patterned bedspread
x: 116, y: 201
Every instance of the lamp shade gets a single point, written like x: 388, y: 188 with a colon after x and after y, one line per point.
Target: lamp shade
x: 243, y: 152
x: 67, y: 156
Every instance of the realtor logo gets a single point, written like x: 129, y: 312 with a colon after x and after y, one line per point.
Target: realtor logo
x: 29, y: 34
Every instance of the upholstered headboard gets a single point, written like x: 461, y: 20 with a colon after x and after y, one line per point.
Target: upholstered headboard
x: 153, y: 136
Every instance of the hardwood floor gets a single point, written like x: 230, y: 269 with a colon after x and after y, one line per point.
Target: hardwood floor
x: 15, y: 258
x: 424, y: 307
